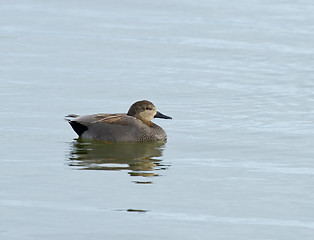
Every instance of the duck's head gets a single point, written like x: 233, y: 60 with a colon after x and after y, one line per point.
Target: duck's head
x: 145, y: 111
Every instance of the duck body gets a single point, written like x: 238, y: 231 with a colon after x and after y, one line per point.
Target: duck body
x: 135, y: 126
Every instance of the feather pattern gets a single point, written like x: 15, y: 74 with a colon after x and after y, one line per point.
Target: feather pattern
x: 136, y: 126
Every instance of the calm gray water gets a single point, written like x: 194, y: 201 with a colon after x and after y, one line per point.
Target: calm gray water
x: 237, y: 78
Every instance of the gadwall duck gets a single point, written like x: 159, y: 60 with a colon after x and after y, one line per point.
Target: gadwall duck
x: 135, y: 126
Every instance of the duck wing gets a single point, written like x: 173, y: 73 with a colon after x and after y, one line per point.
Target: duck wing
x: 108, y: 127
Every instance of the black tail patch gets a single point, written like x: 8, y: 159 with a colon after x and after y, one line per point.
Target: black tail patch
x: 78, y: 128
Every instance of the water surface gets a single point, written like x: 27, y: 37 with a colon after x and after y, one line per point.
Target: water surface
x: 137, y: 158
x: 235, y: 76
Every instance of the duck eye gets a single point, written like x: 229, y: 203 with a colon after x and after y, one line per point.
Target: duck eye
x: 148, y: 108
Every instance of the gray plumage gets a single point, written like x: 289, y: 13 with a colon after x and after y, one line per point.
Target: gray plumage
x: 136, y: 125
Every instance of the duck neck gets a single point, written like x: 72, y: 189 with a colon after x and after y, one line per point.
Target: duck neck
x: 148, y: 123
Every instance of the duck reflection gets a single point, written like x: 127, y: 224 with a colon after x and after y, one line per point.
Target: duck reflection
x: 141, y: 159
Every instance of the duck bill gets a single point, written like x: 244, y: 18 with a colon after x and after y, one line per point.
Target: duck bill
x: 160, y: 115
